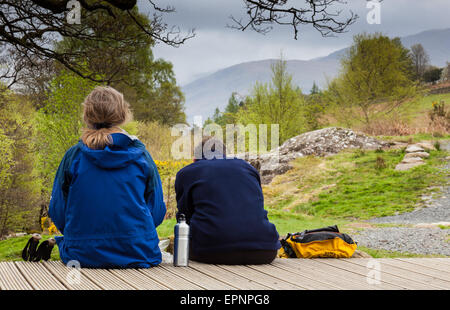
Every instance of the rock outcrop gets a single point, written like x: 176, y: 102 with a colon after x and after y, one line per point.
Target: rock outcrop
x: 322, y: 142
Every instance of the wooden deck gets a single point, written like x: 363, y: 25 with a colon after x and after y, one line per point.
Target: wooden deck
x: 282, y: 274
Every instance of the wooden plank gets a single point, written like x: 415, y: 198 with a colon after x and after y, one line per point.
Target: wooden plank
x: 386, y: 278
x: 60, y: 271
x: 440, y: 277
x: 431, y: 282
x: 11, y: 278
x: 39, y: 277
x: 303, y: 267
x: 168, y: 279
x: 445, y: 262
x: 284, y: 272
x: 287, y: 274
x: 424, y: 274
x: 441, y: 260
x: 227, y: 277
x: 138, y: 280
x: 199, y: 278
x: 105, y: 279
x: 360, y: 280
x: 262, y: 278
x: 433, y: 268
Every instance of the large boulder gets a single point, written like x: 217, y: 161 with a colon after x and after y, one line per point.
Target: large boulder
x: 320, y: 142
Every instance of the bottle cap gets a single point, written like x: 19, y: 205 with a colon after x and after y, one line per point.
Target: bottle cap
x: 181, y: 217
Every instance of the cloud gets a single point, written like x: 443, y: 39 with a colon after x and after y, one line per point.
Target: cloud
x: 216, y: 46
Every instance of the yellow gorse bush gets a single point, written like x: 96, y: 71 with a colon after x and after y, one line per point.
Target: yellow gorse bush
x: 168, y: 170
x: 50, y: 225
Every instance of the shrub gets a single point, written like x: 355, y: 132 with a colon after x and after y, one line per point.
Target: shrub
x: 437, y: 145
x: 380, y: 163
x: 157, y: 139
x: 439, y: 124
x: 168, y: 170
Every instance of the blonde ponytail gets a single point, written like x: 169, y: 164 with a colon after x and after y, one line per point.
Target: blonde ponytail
x: 104, y: 110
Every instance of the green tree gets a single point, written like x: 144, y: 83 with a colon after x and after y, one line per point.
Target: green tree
x: 124, y: 57
x: 420, y: 60
x: 315, y: 89
x: 432, y: 74
x: 445, y: 75
x: 375, y: 70
x: 19, y: 182
x: 230, y: 115
x: 278, y: 103
x: 314, y: 108
x: 59, y: 124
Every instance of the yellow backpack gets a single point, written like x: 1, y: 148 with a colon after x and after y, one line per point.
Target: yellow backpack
x: 322, y: 242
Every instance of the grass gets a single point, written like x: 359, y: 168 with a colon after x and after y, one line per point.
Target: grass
x: 375, y: 253
x: 11, y: 249
x: 289, y: 222
x: 414, y: 138
x: 423, y: 104
x: 353, y: 185
x: 411, y: 119
x: 166, y: 228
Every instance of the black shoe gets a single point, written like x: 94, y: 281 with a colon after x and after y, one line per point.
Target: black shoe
x: 45, y: 250
x: 29, y: 253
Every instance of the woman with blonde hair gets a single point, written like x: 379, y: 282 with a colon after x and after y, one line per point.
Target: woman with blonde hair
x: 107, y: 196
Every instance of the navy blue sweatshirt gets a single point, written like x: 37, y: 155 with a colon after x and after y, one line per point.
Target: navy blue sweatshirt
x: 223, y: 202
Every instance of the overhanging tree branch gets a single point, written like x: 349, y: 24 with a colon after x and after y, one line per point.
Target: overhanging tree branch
x: 323, y: 15
x: 32, y: 27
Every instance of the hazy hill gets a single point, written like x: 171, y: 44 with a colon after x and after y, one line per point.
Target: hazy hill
x: 207, y: 93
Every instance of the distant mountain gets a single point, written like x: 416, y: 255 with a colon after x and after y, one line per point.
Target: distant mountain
x: 436, y: 43
x: 212, y: 91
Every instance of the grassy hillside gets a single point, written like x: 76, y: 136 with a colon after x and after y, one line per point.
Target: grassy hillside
x: 408, y: 122
x: 352, y: 185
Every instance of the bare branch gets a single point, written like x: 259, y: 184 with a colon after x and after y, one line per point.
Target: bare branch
x: 31, y: 28
x: 263, y: 14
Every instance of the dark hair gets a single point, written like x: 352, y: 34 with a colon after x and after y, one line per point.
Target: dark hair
x: 216, y: 146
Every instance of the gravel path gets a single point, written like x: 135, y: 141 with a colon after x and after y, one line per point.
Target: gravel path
x: 436, y: 210
x: 406, y: 239
x: 415, y: 238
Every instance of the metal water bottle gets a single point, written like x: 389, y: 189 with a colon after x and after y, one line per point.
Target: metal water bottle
x: 181, y: 243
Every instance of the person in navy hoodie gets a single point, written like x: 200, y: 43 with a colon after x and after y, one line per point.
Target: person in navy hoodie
x: 107, y: 197
x: 223, y: 203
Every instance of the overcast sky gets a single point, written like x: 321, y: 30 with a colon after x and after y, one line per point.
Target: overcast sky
x: 215, y: 46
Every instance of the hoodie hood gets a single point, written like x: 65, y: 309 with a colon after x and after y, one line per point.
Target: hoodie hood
x: 115, y: 156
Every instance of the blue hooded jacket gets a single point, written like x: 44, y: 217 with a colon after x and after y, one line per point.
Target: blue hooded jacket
x: 107, y: 204
x: 223, y: 202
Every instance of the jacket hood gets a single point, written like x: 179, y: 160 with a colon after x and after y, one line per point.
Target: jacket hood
x: 115, y: 156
